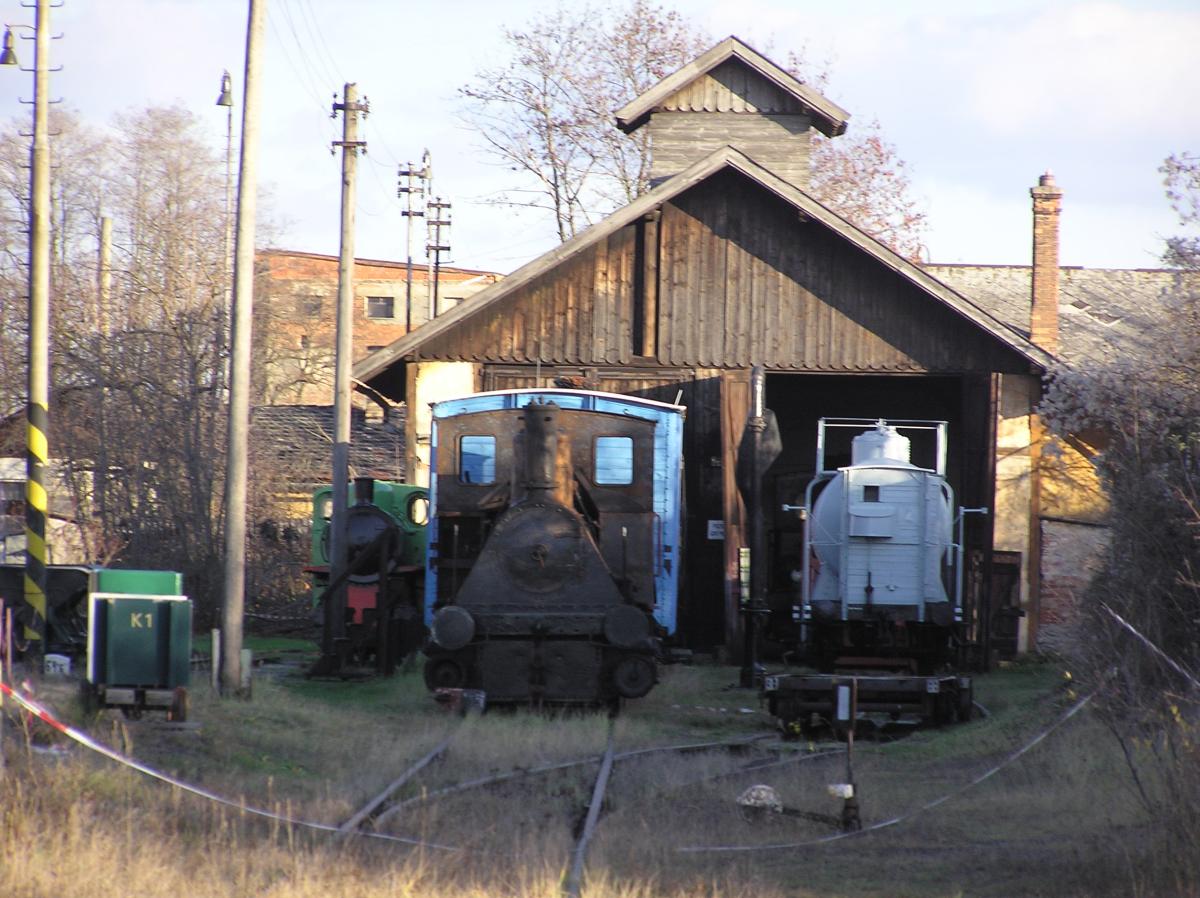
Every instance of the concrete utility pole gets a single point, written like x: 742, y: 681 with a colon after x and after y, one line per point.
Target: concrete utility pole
x: 104, y: 280
x: 103, y: 305
x: 239, y: 367
x: 335, y: 603
x: 37, y: 456
x: 225, y: 99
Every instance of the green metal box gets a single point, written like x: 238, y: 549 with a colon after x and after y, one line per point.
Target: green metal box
x: 139, y: 641
x: 138, y: 583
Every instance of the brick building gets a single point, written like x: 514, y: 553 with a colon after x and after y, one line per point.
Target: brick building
x: 296, y: 310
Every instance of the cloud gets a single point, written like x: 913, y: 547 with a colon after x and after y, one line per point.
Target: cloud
x: 1101, y: 69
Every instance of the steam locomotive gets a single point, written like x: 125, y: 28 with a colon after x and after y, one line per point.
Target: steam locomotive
x: 553, y: 560
x: 385, y: 547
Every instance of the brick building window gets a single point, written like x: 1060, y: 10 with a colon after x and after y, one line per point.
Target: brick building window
x: 381, y: 307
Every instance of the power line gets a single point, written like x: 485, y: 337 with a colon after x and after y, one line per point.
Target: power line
x: 305, y: 54
x: 309, y: 16
x: 301, y: 73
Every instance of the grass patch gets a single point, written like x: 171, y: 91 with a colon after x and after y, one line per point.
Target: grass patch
x: 317, y: 750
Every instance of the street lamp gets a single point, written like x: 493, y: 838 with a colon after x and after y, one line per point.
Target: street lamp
x: 9, y: 55
x: 37, y: 408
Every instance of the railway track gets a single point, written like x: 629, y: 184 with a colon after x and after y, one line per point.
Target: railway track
x: 573, y: 880
x: 383, y: 807
x: 369, y: 813
x: 521, y: 772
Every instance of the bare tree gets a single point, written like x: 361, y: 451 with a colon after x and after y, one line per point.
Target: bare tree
x: 1181, y: 175
x: 530, y: 116
x: 862, y: 178
x: 546, y: 113
x: 138, y: 382
x: 1145, y: 410
x: 637, y: 49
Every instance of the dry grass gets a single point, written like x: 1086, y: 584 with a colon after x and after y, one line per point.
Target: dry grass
x: 1065, y: 820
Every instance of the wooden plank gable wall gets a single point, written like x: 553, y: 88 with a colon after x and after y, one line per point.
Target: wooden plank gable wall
x: 729, y: 276
x: 734, y: 105
x: 733, y: 87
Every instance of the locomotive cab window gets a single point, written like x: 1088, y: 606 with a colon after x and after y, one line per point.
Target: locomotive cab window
x: 871, y: 493
x: 477, y: 459
x: 614, y: 461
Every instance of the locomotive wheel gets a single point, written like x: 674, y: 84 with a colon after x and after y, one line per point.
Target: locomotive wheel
x: 634, y: 676
x: 444, y: 673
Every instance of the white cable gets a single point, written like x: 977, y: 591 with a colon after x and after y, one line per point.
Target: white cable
x: 88, y: 742
x: 883, y: 824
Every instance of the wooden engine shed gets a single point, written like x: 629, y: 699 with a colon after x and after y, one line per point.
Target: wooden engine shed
x: 725, y: 264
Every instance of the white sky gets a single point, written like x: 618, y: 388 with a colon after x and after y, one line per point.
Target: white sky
x: 979, y: 98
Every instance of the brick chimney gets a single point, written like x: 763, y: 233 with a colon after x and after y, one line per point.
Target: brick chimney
x: 1043, y: 319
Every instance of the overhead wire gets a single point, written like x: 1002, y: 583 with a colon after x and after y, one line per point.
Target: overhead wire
x: 314, y: 30
x: 309, y: 42
x: 301, y: 79
x: 313, y: 47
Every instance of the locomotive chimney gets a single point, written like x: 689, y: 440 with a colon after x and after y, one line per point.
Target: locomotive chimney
x: 1043, y: 321
x: 364, y: 490
x: 541, y: 445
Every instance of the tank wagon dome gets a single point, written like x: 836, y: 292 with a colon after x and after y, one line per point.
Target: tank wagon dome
x: 883, y: 445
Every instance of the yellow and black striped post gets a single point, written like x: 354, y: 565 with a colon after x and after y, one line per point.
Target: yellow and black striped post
x: 37, y: 452
x: 36, y: 509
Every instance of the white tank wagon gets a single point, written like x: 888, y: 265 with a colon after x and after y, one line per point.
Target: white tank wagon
x: 881, y: 578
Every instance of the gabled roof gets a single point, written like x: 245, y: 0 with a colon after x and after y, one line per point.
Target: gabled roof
x: 828, y: 117
x: 717, y: 161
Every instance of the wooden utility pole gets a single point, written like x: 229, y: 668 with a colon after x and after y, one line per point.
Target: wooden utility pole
x: 406, y: 190
x: 335, y: 602
x: 438, y: 217
x: 236, y: 471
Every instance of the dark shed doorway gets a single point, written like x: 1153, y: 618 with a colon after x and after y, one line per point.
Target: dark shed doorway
x: 965, y: 402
